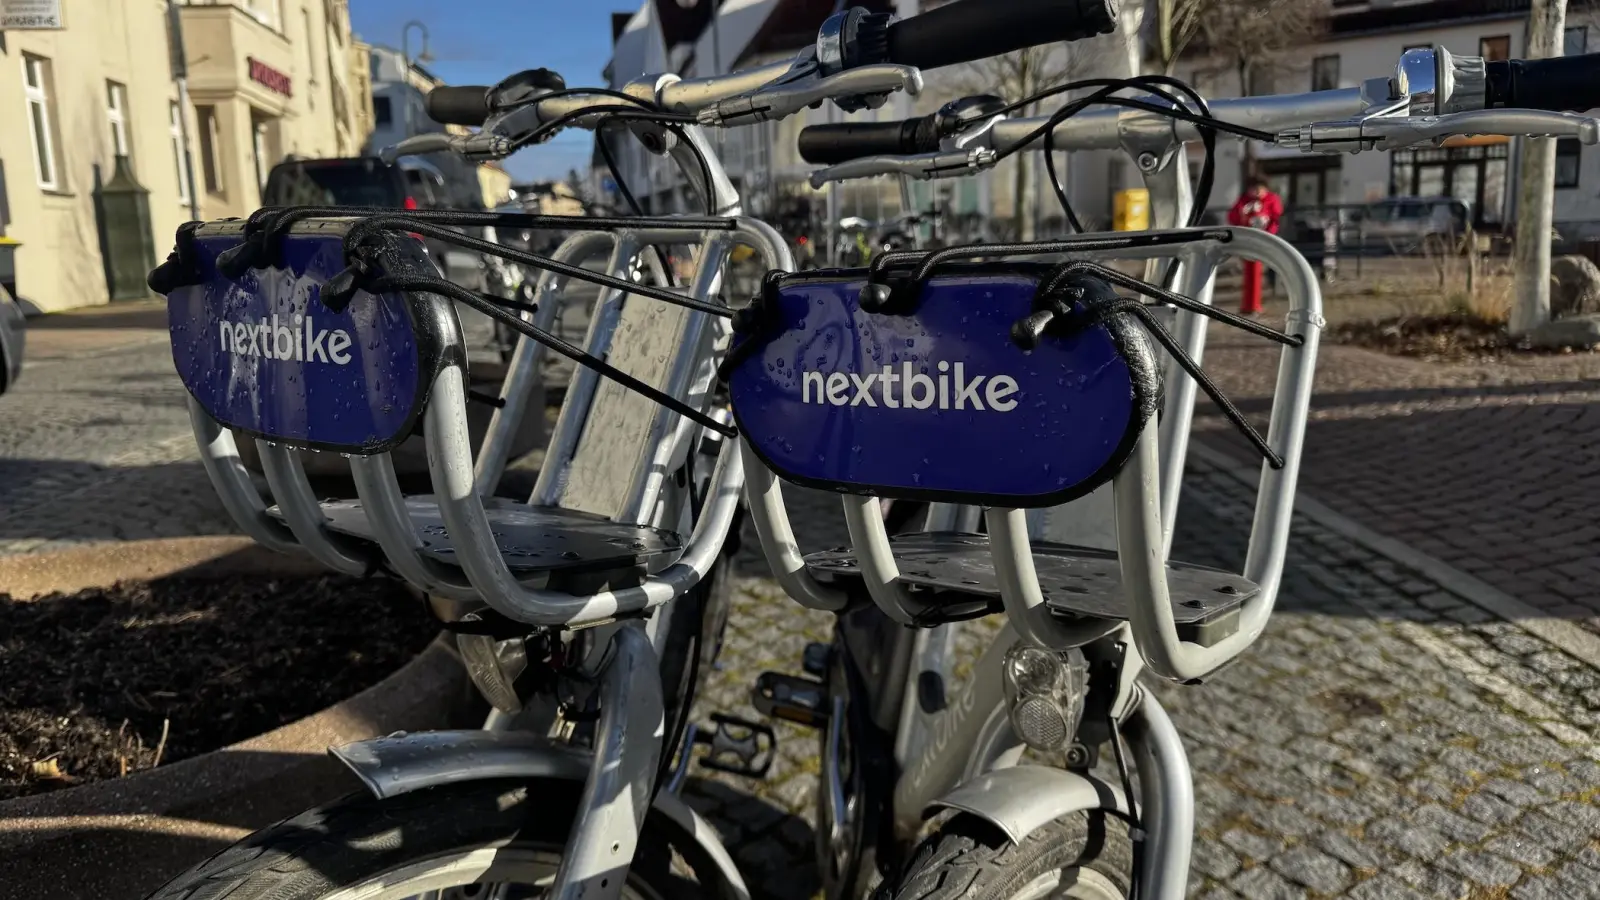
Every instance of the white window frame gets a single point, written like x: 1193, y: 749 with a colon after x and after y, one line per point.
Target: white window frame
x: 36, y: 90
x: 258, y: 149
x: 117, y: 115
x: 210, y: 133
x: 175, y: 121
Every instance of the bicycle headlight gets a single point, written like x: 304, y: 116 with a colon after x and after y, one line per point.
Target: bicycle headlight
x: 1044, y: 694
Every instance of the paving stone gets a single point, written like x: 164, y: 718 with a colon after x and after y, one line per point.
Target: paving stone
x: 1314, y: 869
x: 1408, y: 837
x: 1481, y: 868
x: 1358, y: 853
x: 1489, y: 809
x: 1520, y: 849
x: 1383, y: 887
x: 1251, y: 845
x: 1265, y: 884
x: 1213, y: 860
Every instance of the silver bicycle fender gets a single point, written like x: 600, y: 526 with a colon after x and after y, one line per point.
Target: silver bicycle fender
x: 402, y: 763
x: 1022, y: 799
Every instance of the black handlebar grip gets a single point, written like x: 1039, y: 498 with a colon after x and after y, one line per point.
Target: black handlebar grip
x: 1563, y: 84
x: 826, y: 145
x: 463, y: 105
x: 969, y: 30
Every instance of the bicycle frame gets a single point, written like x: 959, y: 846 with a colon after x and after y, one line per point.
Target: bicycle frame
x: 962, y: 756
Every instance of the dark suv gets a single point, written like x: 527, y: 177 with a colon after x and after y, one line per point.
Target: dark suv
x: 411, y: 184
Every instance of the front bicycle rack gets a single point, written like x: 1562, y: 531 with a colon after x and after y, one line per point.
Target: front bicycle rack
x: 283, y: 353
x: 1010, y: 385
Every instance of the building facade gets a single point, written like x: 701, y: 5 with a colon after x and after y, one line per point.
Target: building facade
x: 1365, y: 39
x: 1362, y: 39
x: 266, y: 78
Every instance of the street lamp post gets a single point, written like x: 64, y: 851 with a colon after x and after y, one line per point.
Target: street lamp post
x: 405, y: 54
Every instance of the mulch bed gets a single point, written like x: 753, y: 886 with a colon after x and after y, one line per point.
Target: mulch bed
x: 110, y: 681
x: 1452, y: 337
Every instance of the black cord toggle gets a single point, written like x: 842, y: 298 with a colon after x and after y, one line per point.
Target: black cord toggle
x: 182, y: 266
x: 339, y: 290
x: 757, y: 323
x: 1079, y: 295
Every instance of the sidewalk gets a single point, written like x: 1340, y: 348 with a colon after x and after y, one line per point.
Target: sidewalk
x: 1383, y: 740
x: 1492, y: 467
x: 96, y: 329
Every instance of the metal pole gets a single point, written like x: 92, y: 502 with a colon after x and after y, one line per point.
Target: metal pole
x: 405, y: 69
x: 180, y: 74
x: 1536, y: 186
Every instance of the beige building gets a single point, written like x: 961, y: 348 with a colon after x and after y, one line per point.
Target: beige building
x: 267, y: 78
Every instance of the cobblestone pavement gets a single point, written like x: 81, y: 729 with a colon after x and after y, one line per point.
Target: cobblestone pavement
x: 1493, y: 468
x: 1383, y: 739
x: 95, y: 445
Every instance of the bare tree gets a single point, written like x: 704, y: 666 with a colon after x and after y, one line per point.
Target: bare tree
x: 1022, y: 74
x: 1536, y: 180
x: 1177, y: 24
x: 1252, y: 38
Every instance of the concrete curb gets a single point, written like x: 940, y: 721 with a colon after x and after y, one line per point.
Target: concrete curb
x: 1572, y: 639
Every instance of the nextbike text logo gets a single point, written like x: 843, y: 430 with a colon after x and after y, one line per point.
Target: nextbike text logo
x: 303, y: 342
x: 951, y: 390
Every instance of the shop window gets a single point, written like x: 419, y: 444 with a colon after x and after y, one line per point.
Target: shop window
x: 1575, y: 41
x: 41, y: 120
x: 1569, y: 157
x: 1495, y: 48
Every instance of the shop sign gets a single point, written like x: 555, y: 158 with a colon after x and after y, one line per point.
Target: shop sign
x: 25, y: 15
x: 271, y: 78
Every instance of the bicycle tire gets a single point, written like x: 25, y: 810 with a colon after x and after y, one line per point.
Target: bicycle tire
x: 359, y: 838
x: 970, y: 859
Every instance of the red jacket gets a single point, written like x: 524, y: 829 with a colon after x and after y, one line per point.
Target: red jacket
x: 1262, y: 212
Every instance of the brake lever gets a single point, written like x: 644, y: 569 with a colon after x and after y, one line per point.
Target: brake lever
x: 1398, y: 132
x: 921, y: 166
x: 787, y: 96
x: 478, y: 145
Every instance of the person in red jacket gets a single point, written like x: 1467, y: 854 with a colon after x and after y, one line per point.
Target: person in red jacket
x: 1260, y: 208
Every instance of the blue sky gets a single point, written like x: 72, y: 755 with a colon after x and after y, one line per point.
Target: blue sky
x: 483, y: 41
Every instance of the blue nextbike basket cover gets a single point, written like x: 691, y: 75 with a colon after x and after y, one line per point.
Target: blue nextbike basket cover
x: 265, y: 357
x: 939, y: 403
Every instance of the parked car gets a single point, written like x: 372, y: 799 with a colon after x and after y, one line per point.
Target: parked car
x: 413, y: 184
x: 13, y: 338
x: 1408, y: 224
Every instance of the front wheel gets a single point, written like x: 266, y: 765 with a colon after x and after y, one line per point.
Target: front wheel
x: 448, y: 841
x: 1082, y: 856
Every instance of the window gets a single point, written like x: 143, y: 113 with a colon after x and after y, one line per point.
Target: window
x: 311, y: 59
x: 176, y: 121
x: 1569, y: 156
x: 1325, y: 73
x: 381, y: 114
x: 210, y: 141
x: 1575, y: 41
x: 117, y: 115
x: 1495, y: 48
x: 258, y: 138
x: 1261, y: 81
x: 36, y: 89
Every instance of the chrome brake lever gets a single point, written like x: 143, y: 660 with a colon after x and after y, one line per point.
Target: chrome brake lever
x: 1397, y: 132
x: 789, y: 95
x: 478, y: 145
x: 921, y: 166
